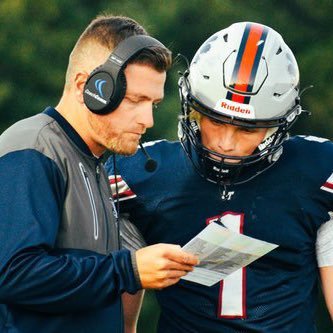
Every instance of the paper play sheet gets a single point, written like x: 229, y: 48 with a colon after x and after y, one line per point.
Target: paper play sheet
x: 221, y: 252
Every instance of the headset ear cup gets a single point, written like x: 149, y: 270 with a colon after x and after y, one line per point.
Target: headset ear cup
x: 119, y: 93
x: 106, y: 86
x: 98, y: 90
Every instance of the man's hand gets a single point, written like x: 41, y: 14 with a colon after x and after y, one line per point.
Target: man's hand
x: 162, y: 265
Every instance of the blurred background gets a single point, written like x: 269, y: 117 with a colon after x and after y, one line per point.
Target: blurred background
x: 36, y: 37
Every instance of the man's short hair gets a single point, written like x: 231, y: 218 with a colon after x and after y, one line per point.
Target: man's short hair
x: 109, y: 31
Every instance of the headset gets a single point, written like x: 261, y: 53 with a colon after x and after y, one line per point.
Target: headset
x: 105, y: 87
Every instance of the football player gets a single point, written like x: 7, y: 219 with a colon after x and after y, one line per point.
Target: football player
x: 236, y: 164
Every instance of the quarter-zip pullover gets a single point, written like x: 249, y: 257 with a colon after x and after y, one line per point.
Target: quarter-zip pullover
x: 60, y: 267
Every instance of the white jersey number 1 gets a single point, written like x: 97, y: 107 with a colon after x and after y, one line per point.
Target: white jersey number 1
x: 232, y: 298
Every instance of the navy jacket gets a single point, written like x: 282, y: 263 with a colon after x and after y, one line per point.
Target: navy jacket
x: 60, y: 267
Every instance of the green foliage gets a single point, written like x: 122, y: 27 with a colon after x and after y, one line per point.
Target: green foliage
x: 36, y: 38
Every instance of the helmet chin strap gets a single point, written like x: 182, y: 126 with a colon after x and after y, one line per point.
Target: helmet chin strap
x: 270, y: 131
x: 269, y: 137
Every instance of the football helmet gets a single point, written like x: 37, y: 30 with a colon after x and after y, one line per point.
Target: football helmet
x: 244, y: 75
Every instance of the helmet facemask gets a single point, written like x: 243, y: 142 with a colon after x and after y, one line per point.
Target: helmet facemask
x: 215, y: 166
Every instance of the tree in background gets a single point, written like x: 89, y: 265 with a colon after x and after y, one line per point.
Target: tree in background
x: 37, y: 36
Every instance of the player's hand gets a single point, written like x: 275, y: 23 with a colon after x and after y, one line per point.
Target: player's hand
x: 162, y: 265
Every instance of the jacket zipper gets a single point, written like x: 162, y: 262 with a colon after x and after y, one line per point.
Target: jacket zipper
x: 98, y: 176
x: 91, y: 199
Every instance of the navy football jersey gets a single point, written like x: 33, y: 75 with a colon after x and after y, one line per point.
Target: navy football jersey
x: 285, y: 205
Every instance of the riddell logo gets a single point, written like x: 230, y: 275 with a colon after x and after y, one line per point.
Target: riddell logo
x: 231, y: 108
x: 235, y: 108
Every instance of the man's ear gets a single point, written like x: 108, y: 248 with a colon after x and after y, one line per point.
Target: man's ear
x: 79, y: 82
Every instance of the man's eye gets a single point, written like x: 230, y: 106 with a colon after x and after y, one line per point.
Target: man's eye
x: 129, y: 100
x: 155, y: 106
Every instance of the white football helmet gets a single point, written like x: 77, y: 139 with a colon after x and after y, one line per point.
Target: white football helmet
x: 244, y: 75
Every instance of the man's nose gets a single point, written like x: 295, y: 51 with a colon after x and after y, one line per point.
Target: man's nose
x: 146, y: 117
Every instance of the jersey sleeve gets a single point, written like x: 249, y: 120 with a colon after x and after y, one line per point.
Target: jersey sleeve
x: 138, y: 191
x: 324, y: 243
x: 131, y: 238
x: 318, y: 158
x: 121, y: 186
x: 128, y: 173
x: 33, y: 273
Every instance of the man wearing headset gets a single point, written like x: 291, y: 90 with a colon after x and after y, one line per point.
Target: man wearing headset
x: 61, y: 269
x: 235, y: 165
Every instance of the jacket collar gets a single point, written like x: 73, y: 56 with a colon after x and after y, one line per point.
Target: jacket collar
x: 69, y: 130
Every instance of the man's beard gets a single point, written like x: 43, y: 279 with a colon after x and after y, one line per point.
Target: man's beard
x: 109, y: 137
x: 121, y: 146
